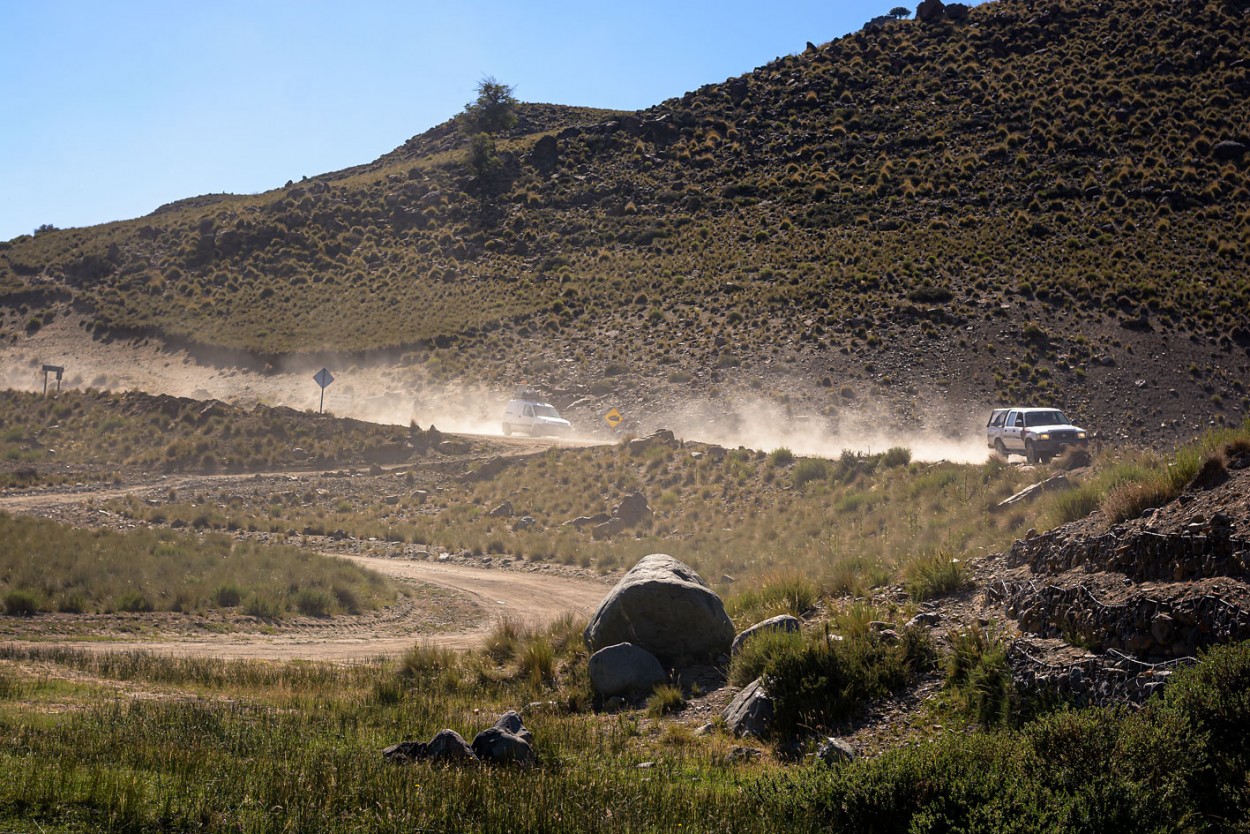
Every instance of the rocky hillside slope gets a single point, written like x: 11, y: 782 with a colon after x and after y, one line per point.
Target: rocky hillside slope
x: 1106, y: 610
x: 1033, y: 201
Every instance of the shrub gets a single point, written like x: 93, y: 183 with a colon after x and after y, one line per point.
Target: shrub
x: 262, y: 606
x: 664, y: 699
x: 896, y: 456
x: 313, y: 602
x: 22, y: 603
x: 781, y: 456
x: 810, y: 469
x: 934, y: 575
x: 228, y: 596
x: 823, y: 679
x: 133, y: 602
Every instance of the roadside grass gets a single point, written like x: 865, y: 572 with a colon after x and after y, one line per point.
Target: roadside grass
x: 217, y: 745
x: 1124, y: 485
x: 169, y: 434
x: 726, y: 515
x: 47, y: 566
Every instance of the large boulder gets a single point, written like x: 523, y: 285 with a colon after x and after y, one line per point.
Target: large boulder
x: 782, y: 622
x: 625, y: 669
x: 666, y: 608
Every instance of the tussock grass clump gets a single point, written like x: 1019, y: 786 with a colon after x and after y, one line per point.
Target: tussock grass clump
x: 977, y: 670
x: 810, y: 469
x: 934, y: 575
x: 665, y: 699
x: 1124, y: 486
x: 781, y: 456
x: 779, y: 593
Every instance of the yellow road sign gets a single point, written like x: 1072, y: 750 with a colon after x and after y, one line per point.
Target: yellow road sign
x: 613, y: 418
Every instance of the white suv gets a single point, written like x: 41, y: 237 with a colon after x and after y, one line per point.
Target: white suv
x: 534, y: 417
x: 1037, y: 433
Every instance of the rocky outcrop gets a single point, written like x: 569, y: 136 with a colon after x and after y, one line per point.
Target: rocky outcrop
x: 663, y: 606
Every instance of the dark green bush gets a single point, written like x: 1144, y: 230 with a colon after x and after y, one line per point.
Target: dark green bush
x: 824, y: 678
x: 22, y: 603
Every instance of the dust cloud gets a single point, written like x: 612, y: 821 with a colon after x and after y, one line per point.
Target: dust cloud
x: 949, y: 433
x: 395, y: 395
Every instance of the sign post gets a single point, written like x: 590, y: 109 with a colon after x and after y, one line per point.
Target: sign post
x: 52, y: 369
x: 323, y: 378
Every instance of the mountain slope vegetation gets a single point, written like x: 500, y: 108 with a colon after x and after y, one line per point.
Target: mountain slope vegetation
x: 1044, y: 201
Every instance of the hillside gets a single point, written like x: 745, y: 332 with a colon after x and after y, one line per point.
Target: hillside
x: 1045, y: 202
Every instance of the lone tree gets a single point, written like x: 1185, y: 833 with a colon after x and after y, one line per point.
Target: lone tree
x: 900, y: 12
x: 493, y: 111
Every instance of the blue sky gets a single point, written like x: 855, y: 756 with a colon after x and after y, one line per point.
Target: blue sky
x: 113, y: 108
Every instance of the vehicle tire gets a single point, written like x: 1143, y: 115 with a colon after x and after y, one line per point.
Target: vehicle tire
x: 507, y: 430
x: 1030, y: 454
x: 1000, y: 448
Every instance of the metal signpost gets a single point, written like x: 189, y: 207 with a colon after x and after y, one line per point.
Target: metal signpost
x: 323, y: 378
x: 52, y: 369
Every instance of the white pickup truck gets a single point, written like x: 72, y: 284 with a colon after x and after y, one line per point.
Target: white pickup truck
x: 1037, y: 433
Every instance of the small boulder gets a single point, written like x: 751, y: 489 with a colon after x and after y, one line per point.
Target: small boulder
x: 833, y: 751
x: 449, y: 746
x: 751, y: 712
x: 632, y: 510
x: 666, y: 608
x: 512, y: 723
x: 446, y: 746
x: 499, y: 746
x: 504, y: 510
x: 782, y: 622
x: 607, y: 529
x: 625, y: 669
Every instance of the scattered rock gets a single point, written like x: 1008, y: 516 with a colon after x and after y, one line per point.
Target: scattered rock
x: 782, y: 622
x: 607, y: 529
x: 446, y: 746
x: 751, y: 711
x: 739, y: 755
x: 1034, y: 490
x: 504, y: 510
x: 833, y: 751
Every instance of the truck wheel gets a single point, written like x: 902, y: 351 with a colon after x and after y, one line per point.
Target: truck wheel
x: 507, y: 430
x: 1030, y: 454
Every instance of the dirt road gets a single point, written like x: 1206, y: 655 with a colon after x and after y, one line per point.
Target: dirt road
x: 528, y: 598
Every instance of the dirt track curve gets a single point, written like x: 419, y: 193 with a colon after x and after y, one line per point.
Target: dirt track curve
x: 525, y: 597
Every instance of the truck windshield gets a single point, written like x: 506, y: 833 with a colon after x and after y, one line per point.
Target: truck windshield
x: 544, y: 410
x: 1045, y: 418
